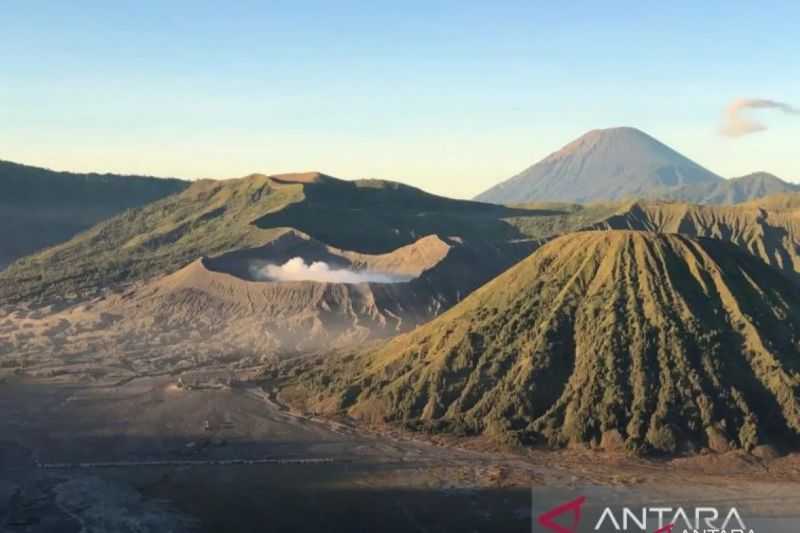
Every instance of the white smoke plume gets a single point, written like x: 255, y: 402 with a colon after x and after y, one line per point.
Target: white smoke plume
x: 296, y: 269
x: 736, y: 123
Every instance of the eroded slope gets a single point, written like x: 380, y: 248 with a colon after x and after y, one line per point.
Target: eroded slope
x: 768, y: 228
x: 649, y: 341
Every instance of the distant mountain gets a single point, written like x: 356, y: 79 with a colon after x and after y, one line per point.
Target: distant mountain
x: 211, y: 218
x: 40, y: 207
x: 731, y: 191
x: 610, y: 164
x: 611, y: 339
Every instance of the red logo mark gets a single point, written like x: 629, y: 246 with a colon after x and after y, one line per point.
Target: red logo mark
x: 574, y: 507
x: 547, y: 519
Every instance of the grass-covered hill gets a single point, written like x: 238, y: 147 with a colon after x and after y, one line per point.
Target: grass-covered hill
x: 40, y: 207
x: 376, y: 216
x: 617, y: 339
x: 214, y: 217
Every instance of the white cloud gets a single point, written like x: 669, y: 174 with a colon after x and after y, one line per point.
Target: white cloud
x: 296, y: 269
x: 736, y: 123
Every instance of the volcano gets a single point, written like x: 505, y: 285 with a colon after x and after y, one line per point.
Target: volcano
x: 657, y: 343
x: 607, y: 164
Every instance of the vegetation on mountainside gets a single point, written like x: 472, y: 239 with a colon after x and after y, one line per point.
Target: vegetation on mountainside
x: 214, y: 217
x: 616, y: 339
x: 209, y: 217
x: 376, y: 216
x: 563, y: 217
x: 40, y: 207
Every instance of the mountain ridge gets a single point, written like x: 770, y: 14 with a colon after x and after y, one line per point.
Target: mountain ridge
x: 216, y: 217
x: 767, y: 228
x: 40, y: 207
x: 731, y: 191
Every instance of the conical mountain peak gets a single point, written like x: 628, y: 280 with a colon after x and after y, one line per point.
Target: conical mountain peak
x: 603, y: 164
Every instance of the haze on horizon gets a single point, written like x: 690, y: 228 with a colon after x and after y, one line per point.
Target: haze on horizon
x: 452, y: 97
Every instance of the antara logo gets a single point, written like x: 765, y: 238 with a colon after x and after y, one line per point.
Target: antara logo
x: 665, y: 519
x: 573, y: 507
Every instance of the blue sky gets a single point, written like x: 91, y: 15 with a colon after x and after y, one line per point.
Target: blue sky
x: 449, y: 96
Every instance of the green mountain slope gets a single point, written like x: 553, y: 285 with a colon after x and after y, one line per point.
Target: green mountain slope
x: 654, y: 342
x: 215, y: 217
x: 40, y: 207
